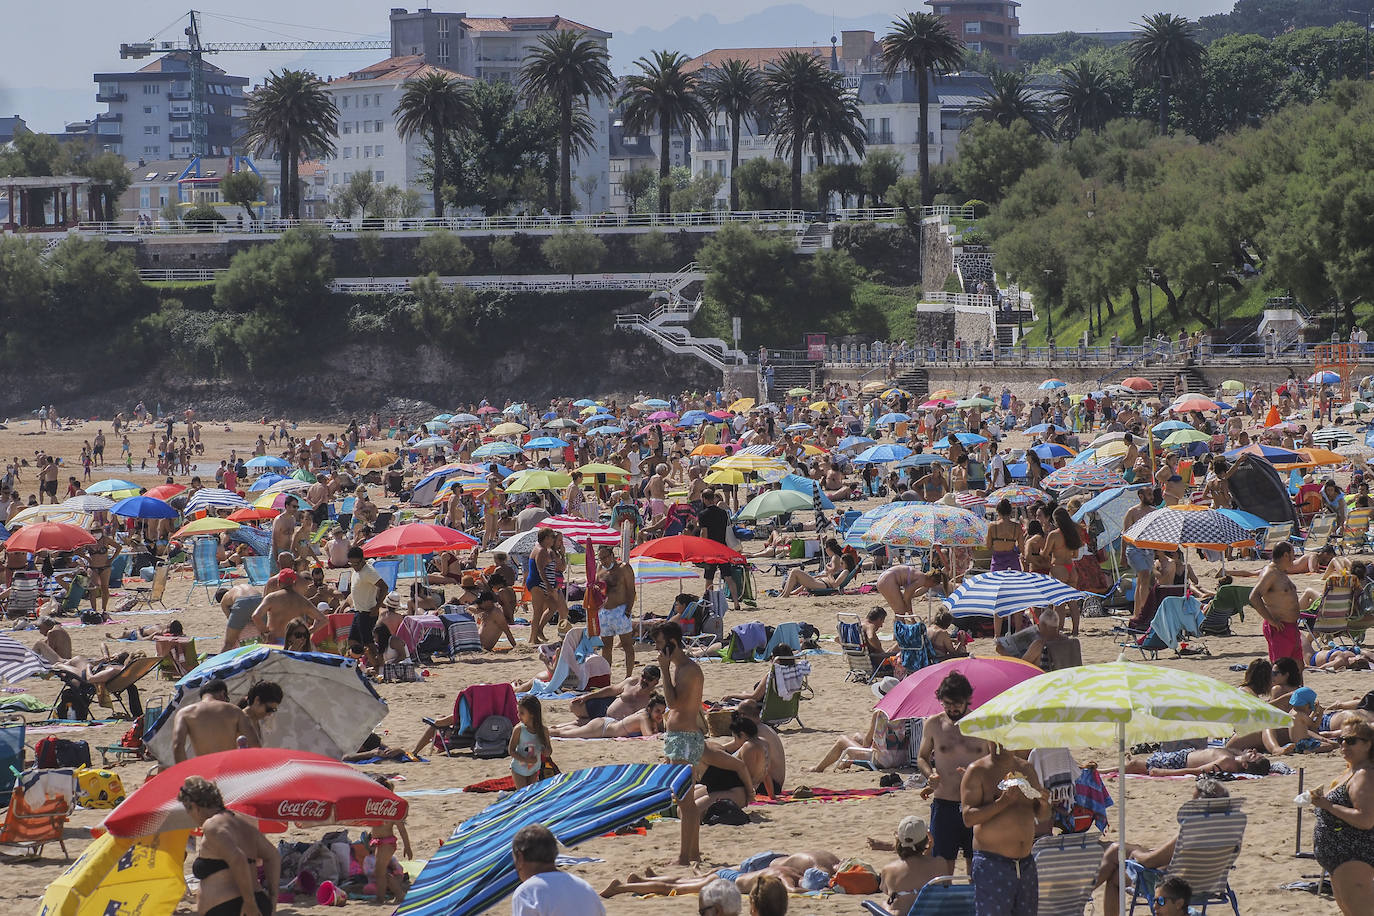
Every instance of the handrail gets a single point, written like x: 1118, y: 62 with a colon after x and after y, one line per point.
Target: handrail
x: 1158, y: 349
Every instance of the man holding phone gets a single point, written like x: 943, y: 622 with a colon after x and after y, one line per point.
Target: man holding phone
x: 683, y: 739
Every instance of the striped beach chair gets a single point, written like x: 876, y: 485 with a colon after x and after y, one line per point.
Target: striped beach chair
x: 943, y: 896
x: 1067, y: 867
x: 1210, y: 831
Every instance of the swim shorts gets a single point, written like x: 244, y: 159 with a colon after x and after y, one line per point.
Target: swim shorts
x: 684, y: 747
x: 948, y: 833
x: 615, y: 621
x: 241, y: 611
x: 596, y: 707
x: 1140, y: 559
x: 1169, y: 760
x: 1003, y: 886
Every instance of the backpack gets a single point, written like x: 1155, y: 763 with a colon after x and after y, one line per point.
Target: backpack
x: 724, y: 812
x: 51, y: 753
x: 492, y: 738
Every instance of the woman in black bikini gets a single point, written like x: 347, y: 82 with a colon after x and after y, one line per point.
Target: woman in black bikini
x: 230, y: 849
x: 98, y: 560
x: 1345, y: 822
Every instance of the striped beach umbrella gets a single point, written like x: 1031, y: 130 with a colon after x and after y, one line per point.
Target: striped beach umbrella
x: 213, y: 498
x: 1008, y: 591
x: 649, y: 569
x: 928, y: 525
x: 18, y: 661
x: 580, y: 531
x: 1050, y: 384
x: 88, y: 502
x: 1083, y: 477
x: 1187, y: 526
x: 1324, y: 377
x: 496, y: 450
x: 1332, y: 436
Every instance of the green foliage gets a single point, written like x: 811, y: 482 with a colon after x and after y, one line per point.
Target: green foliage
x: 573, y: 251
x: 881, y: 247
x: 505, y: 253
x: 507, y: 155
x: 992, y: 157
x: 288, y: 278
x: 432, y: 106
x: 879, y: 172
x: 370, y: 248
x: 663, y: 97
x: 293, y: 117
x: 111, y: 179
x: 763, y: 184
x: 1275, y: 17
x: 638, y: 186
x: 1044, y: 53
x: 441, y: 314
x: 443, y: 253
x: 653, y: 249
x: 696, y: 192
x: 242, y: 189
x: 203, y: 213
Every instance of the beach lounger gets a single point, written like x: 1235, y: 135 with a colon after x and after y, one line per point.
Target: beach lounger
x: 74, y: 700
x: 152, y: 710
x: 175, y: 665
x: 850, y: 635
x: 946, y: 895
x: 148, y: 595
x: 26, y: 587
x: 37, y: 814
x: 1318, y: 534
x: 1210, y: 831
x: 205, y: 566
x: 1273, y: 536
x: 1067, y: 867
x: 259, y: 569
x: 1337, y: 604
x: 1356, y: 531
x: 71, y: 601
x: 11, y: 754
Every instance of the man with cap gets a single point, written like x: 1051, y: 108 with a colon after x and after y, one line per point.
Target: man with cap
x: 285, y: 605
x: 1304, y: 735
x: 901, y: 878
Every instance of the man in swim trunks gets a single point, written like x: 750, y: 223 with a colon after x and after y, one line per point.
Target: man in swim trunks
x: 683, y: 741
x: 1275, y: 597
x: 285, y: 605
x: 619, y: 700
x: 943, y: 754
x: 1189, y: 762
x: 1140, y: 559
x: 238, y: 604
x: 1005, y: 882
x: 614, y: 615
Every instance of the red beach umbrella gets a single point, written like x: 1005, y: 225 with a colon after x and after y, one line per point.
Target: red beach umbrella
x: 416, y: 538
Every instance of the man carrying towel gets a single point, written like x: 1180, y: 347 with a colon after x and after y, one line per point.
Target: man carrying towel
x: 1002, y: 799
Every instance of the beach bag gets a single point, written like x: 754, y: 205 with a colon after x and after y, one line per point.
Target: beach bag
x: 724, y: 812
x: 50, y: 753
x: 98, y: 788
x: 855, y: 877
x: 492, y: 738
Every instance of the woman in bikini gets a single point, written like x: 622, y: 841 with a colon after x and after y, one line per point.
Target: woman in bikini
x: 1032, y: 557
x: 1035, y: 471
x: 1061, y: 548
x: 648, y: 721
x: 800, y: 582
x: 230, y: 849
x: 387, y: 880
x: 98, y: 560
x: 541, y: 579
x: 901, y: 585
x: 1005, y: 539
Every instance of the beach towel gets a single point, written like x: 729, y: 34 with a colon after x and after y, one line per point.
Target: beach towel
x: 1057, y: 772
x: 497, y: 784
x: 1090, y: 800
x: 474, y: 869
x: 815, y: 793
x: 790, y: 678
x: 477, y: 702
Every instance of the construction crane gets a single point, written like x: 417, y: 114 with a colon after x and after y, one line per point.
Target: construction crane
x: 195, y: 49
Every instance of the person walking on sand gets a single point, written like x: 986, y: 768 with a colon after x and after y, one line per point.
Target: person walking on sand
x: 683, y: 740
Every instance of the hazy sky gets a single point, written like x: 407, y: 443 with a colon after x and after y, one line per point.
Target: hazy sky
x: 55, y: 46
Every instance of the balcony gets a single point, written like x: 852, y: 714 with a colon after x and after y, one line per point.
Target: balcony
x: 178, y: 93
x: 175, y: 115
x: 112, y: 96
x: 881, y: 138
x: 110, y: 116
x: 714, y: 145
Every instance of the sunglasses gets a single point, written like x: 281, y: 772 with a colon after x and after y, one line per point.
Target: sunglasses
x: 1162, y: 901
x: 1348, y: 740
x: 271, y: 709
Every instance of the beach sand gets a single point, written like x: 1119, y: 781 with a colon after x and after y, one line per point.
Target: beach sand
x: 1266, y: 862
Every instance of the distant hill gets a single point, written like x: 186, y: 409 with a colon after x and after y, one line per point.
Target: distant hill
x: 784, y: 25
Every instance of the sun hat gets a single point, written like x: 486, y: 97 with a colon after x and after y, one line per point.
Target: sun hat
x: 881, y: 688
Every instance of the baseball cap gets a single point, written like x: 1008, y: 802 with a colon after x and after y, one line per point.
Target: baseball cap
x: 911, y: 830
x: 1302, y: 698
x: 286, y: 577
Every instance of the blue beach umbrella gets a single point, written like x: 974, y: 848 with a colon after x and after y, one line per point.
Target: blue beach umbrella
x: 809, y: 487
x: 143, y: 507
x: 962, y: 439
x: 543, y: 443
x: 1041, y: 429
x: 1051, y: 450
x: 496, y: 450
x: 266, y: 480
x: 922, y: 460
x: 266, y: 461
x: 880, y: 454
x: 891, y: 419
x: 658, y: 403
x: 463, y: 419
x: 606, y: 431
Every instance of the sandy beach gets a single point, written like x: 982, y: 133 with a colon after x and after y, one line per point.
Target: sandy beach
x: 1266, y: 862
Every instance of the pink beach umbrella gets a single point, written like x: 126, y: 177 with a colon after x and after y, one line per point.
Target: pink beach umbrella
x: 914, y: 697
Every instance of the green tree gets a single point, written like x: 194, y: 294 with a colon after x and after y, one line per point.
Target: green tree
x: 203, y: 214
x: 291, y: 116
x: 1085, y: 100
x: 992, y: 158
x: 441, y: 252
x: 653, y: 249
x: 636, y: 184
x: 110, y: 178
x: 433, y: 106
x: 879, y: 172
x: 372, y: 251
x: 588, y: 184
x: 508, y: 153
x: 733, y: 90
x: 289, y: 277
x: 1165, y: 50
x: 443, y: 314
x: 923, y: 44
x: 663, y: 96
x: 1010, y: 99
x: 808, y: 107
x: 1052, y: 52
x: 763, y: 184
x: 242, y: 189
x: 505, y: 253
x: 571, y: 69
x: 1240, y: 84
x: 750, y: 275
x: 573, y: 251
x: 360, y: 196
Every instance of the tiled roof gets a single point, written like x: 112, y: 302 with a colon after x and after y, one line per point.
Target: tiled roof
x: 175, y: 62
x: 759, y: 57
x: 553, y: 23
x: 397, y: 70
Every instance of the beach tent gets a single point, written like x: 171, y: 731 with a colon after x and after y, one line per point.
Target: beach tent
x: 328, y: 707
x: 474, y: 869
x: 119, y: 875
x: 1258, y: 489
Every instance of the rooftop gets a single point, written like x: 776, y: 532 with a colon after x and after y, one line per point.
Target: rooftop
x: 396, y: 70
x: 554, y: 23
x: 759, y: 57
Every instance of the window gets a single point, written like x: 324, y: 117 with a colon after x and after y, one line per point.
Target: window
x: 367, y: 152
x: 346, y: 127
x: 868, y: 126
x: 377, y: 150
x: 366, y: 99
x: 443, y: 51
x: 885, y: 126
x: 151, y: 150
x: 367, y: 127
x: 377, y: 100
x: 972, y: 28
x: 152, y: 89
x: 348, y: 152
x: 151, y: 129
x: 942, y: 10
x: 333, y: 181
x: 345, y: 101
x: 150, y: 109
x: 974, y: 47
x: 377, y: 126
x: 443, y: 28
x: 109, y: 88
x: 379, y: 177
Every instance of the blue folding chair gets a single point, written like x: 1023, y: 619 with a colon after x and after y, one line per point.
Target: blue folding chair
x: 11, y: 755
x: 259, y: 569
x: 388, y: 570
x: 943, y: 896
x: 118, y: 568
x: 205, y: 565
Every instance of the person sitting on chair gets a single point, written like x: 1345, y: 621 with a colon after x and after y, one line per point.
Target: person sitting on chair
x: 55, y: 646
x: 885, y: 745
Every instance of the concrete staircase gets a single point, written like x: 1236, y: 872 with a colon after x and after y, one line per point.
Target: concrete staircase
x: 917, y: 381
x: 666, y: 325
x: 813, y: 238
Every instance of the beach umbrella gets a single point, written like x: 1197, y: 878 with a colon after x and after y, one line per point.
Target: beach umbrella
x: 602, y: 417
x: 431, y: 442
x: 112, y: 486
x: 1111, y: 507
x: 306, y: 476
x: 1136, y: 383
x: 648, y: 569
x: 768, y: 469
x: 805, y: 485
x: 895, y: 393
x: 854, y: 533
x: 463, y: 419
x: 1270, y: 453
x: 1107, y: 439
x: 741, y: 405
x: 798, y: 392
x: 974, y: 402
x: 1184, y: 437
x: 944, y: 393
x: 372, y: 460
x: 725, y: 476
x: 708, y: 450
x: 544, y: 443
x: 253, y: 514
x: 486, y: 410
x: 684, y: 548
x: 584, y: 402
x: 213, y: 498
x: 289, y: 485
x: 1232, y: 385
x: 1016, y: 494
x: 1332, y: 436
x: 496, y: 450
x: 274, y: 784
x: 873, y: 387
x: 508, y: 429
x: 1121, y: 703
x: 1007, y: 592
x: 595, y: 469
x: 266, y: 461
x: 514, y: 410
x: 962, y: 439
x: 562, y: 423
x: 799, y: 428
x: 1041, y: 429
x: 1321, y: 456
x: 520, y: 544
x: 659, y: 416
x: 927, y: 525
x: 18, y: 661
x: 88, y: 502
x: 773, y: 503
x: 416, y: 538
x: 266, y: 480
x: 1324, y: 377
x: 277, y: 500
x: 441, y: 418
x: 580, y: 531
x: 604, y: 431
x: 143, y: 507
x: 922, y: 460
x: 1170, y: 426
x: 1083, y: 477
x: 1247, y: 520
x: 1187, y: 525
x: 854, y: 443
x: 120, y: 875
x: 1356, y: 407
x: 534, y: 479
x: 473, y: 870
x: 205, y: 526
x: 658, y: 403
x: 1050, y: 384
x: 881, y: 454
x: 1355, y: 453
x: 891, y: 419
x: 1189, y: 403
x: 1048, y: 451
x: 48, y: 536
x: 818, y: 406
x: 914, y: 696
x: 936, y: 403
x: 165, y: 491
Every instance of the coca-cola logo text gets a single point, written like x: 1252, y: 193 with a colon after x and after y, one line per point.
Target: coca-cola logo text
x: 307, y: 810
x: 381, y: 807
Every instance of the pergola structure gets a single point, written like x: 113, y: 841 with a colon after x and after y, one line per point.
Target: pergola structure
x: 28, y: 208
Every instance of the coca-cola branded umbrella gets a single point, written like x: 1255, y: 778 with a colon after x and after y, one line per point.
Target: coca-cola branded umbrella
x: 274, y: 785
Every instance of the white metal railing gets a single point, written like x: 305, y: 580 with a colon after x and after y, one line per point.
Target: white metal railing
x: 881, y: 214
x: 972, y: 300
x: 181, y: 274
x: 543, y: 283
x: 711, y: 350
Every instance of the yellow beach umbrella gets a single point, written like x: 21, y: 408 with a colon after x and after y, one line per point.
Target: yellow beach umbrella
x: 873, y: 387
x: 119, y: 875
x: 725, y: 476
x: 811, y: 450
x: 603, y: 470
x: 820, y: 406
x: 742, y: 405
x: 532, y: 480
x: 508, y: 429
x: 205, y: 526
x: 376, y: 460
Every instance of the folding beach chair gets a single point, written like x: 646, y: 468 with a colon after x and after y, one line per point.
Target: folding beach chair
x: 916, y: 652
x: 946, y: 895
x: 26, y: 587
x: 1273, y: 536
x: 777, y: 712
x: 39, y: 807
x: 786, y: 633
x: 1356, y: 531
x: 152, y: 711
x: 856, y: 655
x: 333, y: 638
x: 1210, y: 831
x: 11, y: 754
x: 175, y: 664
x: 1067, y: 867
x: 259, y: 570
x: 388, y: 570
x: 205, y: 566
x: 118, y: 567
x: 148, y: 595
x: 1308, y: 502
x: 75, y: 699
x: 1230, y: 601
x: 849, y: 576
x: 1336, y: 607
x: 1177, y: 619
x: 1318, y: 534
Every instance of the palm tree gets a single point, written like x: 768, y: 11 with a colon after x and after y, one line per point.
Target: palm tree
x: 571, y: 69
x: 837, y: 125
x: 923, y: 44
x: 1010, y: 100
x: 293, y: 117
x: 796, y: 88
x: 1084, y: 98
x: 1163, y: 51
x: 662, y: 96
x: 431, y: 106
x: 733, y: 90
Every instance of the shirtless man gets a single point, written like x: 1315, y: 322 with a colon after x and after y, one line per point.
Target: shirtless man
x: 284, y: 528
x: 1005, y: 882
x: 1188, y: 762
x: 213, y: 724
x: 914, y: 866
x: 619, y: 700
x: 943, y: 756
x: 491, y: 621
x: 1141, y: 559
x: 684, y: 740
x: 285, y: 560
x: 777, y: 756
x: 658, y: 492
x: 238, y: 604
x: 619, y: 582
x: 55, y: 644
x: 1275, y: 597
x: 647, y: 721
x: 281, y: 607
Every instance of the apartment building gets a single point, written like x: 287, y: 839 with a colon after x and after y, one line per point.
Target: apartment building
x: 984, y: 25
x: 148, y: 111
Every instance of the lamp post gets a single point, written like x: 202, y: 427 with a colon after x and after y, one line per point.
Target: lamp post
x: 1049, y: 307
x: 1216, y: 289
x: 1152, y: 273
x: 1369, y: 24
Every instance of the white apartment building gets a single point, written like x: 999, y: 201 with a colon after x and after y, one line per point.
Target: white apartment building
x: 148, y: 111
x: 368, y: 140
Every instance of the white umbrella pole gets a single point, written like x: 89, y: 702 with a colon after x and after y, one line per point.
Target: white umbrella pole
x: 1121, y: 817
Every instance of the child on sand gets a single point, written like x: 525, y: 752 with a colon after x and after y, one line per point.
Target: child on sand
x: 388, y: 880
x: 528, y: 742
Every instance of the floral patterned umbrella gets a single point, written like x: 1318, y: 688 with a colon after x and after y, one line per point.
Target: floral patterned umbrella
x: 1084, y: 477
x: 928, y: 525
x: 1017, y: 494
